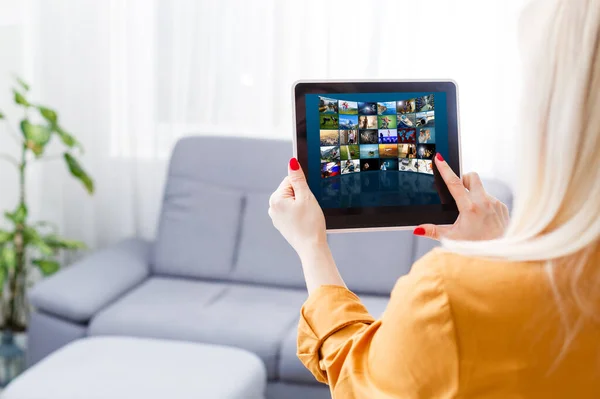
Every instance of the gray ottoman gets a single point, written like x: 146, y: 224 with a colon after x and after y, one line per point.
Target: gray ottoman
x: 126, y: 368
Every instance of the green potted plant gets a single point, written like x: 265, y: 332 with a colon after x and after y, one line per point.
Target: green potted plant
x: 25, y: 244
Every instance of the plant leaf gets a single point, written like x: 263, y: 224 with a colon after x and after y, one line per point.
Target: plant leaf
x: 20, y: 99
x: 57, y: 242
x: 5, y: 236
x: 48, y: 114
x: 22, y: 83
x: 1, y: 115
x: 8, y: 257
x: 78, y: 172
x: 46, y: 266
x: 34, y: 239
x: 67, y: 138
x: 19, y: 215
x: 36, y: 136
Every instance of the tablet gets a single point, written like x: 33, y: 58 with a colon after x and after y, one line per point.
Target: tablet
x: 367, y: 148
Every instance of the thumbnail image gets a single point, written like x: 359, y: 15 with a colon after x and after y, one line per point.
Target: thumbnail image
x: 386, y: 108
x: 388, y: 150
x: 330, y: 137
x: 425, y: 166
x: 328, y: 105
x: 407, y: 136
x: 388, y: 164
x: 348, y: 122
x: 425, y: 103
x: 368, y: 137
x: 330, y: 169
x: 350, y: 166
x: 407, y: 151
x: 348, y: 107
x: 367, y: 165
x: 367, y: 122
x: 349, y: 152
x: 387, y: 122
x: 369, y: 151
x: 330, y: 154
x: 425, y: 151
x: 367, y: 108
x: 348, y: 136
x: 408, y: 165
x: 406, y: 121
x: 426, y: 119
x: 426, y: 136
x: 328, y: 121
x: 406, y: 106
x: 388, y: 136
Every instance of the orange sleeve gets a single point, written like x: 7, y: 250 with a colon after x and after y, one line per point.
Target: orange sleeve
x: 410, y: 352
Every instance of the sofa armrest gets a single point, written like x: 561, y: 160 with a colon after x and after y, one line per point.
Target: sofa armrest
x: 78, y: 292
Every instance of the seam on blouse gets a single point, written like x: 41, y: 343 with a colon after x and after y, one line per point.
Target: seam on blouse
x: 317, y: 349
x: 340, y: 327
x: 442, y: 280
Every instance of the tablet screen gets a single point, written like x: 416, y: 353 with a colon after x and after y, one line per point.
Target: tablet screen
x: 375, y: 149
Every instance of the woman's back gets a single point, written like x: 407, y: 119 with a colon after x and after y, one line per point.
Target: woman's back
x: 525, y: 324
x: 510, y: 331
x: 459, y: 327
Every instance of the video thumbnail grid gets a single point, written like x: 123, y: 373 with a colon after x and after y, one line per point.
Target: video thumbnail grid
x: 372, y: 136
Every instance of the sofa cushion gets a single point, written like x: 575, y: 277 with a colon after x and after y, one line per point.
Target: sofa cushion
x: 291, y: 369
x: 198, y: 229
x: 264, y: 256
x: 248, y: 317
x: 205, y: 197
x: 372, y: 262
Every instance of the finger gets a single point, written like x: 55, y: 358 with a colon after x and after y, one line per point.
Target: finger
x: 431, y: 231
x: 284, y: 183
x: 284, y: 190
x: 454, y: 183
x: 285, y: 187
x: 504, y: 212
x: 473, y: 183
x: 297, y: 179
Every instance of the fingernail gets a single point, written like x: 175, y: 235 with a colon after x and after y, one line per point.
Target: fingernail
x: 294, y: 165
x: 419, y: 231
x: 439, y: 156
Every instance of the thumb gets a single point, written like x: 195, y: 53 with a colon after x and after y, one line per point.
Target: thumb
x: 431, y: 231
x: 297, y: 179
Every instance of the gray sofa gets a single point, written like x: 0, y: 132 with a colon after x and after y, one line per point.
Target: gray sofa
x: 217, y: 272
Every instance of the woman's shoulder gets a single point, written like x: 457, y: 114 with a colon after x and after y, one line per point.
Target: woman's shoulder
x: 448, y: 263
x: 461, y: 274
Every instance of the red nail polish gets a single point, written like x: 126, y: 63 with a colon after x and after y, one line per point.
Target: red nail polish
x: 419, y: 231
x: 439, y: 156
x: 294, y: 165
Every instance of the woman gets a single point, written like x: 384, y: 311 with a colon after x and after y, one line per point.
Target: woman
x: 505, y: 308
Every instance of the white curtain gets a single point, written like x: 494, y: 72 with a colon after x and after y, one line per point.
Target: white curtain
x: 129, y: 77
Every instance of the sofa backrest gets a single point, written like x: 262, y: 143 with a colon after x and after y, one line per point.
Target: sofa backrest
x: 214, y: 222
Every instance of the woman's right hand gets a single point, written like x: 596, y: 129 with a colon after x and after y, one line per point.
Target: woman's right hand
x: 481, y: 216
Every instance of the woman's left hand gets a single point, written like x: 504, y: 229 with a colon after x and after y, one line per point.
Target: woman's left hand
x: 296, y: 213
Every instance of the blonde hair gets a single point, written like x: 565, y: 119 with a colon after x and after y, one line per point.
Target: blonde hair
x: 556, y: 210
x: 556, y: 215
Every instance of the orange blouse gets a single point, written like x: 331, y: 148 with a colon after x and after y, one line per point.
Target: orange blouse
x: 456, y: 327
